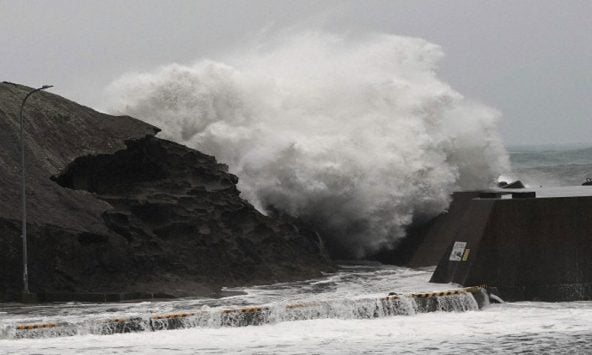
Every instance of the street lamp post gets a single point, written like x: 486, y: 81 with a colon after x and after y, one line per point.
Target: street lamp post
x: 24, y: 190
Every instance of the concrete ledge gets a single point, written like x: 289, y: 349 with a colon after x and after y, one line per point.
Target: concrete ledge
x: 547, y: 293
x: 471, y: 298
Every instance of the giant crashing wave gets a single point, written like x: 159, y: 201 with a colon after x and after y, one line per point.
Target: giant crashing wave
x: 354, y: 136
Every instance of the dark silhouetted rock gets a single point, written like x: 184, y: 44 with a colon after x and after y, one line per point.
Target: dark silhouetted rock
x: 114, y: 209
x: 513, y: 185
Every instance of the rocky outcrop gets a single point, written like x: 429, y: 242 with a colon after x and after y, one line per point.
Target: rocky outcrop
x: 112, y: 208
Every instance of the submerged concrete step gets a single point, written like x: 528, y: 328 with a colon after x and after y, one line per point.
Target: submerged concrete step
x: 458, y: 300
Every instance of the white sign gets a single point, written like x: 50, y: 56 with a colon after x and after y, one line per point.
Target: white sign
x: 458, y: 250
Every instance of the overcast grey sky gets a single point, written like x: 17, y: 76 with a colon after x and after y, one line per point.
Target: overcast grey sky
x: 530, y: 59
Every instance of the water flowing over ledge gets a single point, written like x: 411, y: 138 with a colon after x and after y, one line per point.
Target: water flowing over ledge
x: 459, y: 300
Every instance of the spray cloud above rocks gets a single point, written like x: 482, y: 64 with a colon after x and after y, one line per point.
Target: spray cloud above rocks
x: 355, y: 135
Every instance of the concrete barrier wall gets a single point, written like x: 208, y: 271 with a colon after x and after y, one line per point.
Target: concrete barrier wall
x: 426, y: 245
x: 527, y: 248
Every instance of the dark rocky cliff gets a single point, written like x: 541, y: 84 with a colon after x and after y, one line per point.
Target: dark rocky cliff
x: 112, y: 208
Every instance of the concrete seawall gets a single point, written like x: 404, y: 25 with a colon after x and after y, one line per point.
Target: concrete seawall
x: 457, y: 300
x: 526, y: 248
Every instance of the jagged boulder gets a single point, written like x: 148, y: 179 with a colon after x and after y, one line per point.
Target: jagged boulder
x: 112, y: 208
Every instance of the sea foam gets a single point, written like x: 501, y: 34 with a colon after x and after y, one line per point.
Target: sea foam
x: 355, y: 135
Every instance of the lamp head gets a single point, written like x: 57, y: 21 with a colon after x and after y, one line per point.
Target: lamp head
x: 46, y: 87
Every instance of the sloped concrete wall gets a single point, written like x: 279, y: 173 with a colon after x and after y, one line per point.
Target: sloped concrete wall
x: 529, y: 249
x: 425, y: 245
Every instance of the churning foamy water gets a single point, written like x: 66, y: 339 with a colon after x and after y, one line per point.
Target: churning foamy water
x: 524, y: 327
x: 355, y: 135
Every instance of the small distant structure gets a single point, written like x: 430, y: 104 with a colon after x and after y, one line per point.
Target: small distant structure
x: 513, y: 185
x: 588, y: 182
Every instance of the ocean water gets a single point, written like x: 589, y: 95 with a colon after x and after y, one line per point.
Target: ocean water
x: 524, y: 327
x: 550, y: 166
x: 521, y: 327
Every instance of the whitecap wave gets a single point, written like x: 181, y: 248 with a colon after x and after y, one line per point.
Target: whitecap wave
x: 355, y: 136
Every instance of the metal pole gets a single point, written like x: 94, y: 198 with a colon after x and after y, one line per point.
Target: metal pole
x: 24, y: 190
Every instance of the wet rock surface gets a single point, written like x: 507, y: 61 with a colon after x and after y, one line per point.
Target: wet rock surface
x: 112, y: 208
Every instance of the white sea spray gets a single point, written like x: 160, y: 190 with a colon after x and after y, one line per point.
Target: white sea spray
x: 355, y: 135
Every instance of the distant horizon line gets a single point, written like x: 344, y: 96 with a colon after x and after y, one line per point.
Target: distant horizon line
x: 559, y: 146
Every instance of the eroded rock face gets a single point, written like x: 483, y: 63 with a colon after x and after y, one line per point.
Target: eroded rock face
x: 181, y: 213
x: 129, y: 212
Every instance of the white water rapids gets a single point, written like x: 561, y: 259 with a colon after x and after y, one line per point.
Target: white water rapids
x: 526, y: 326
